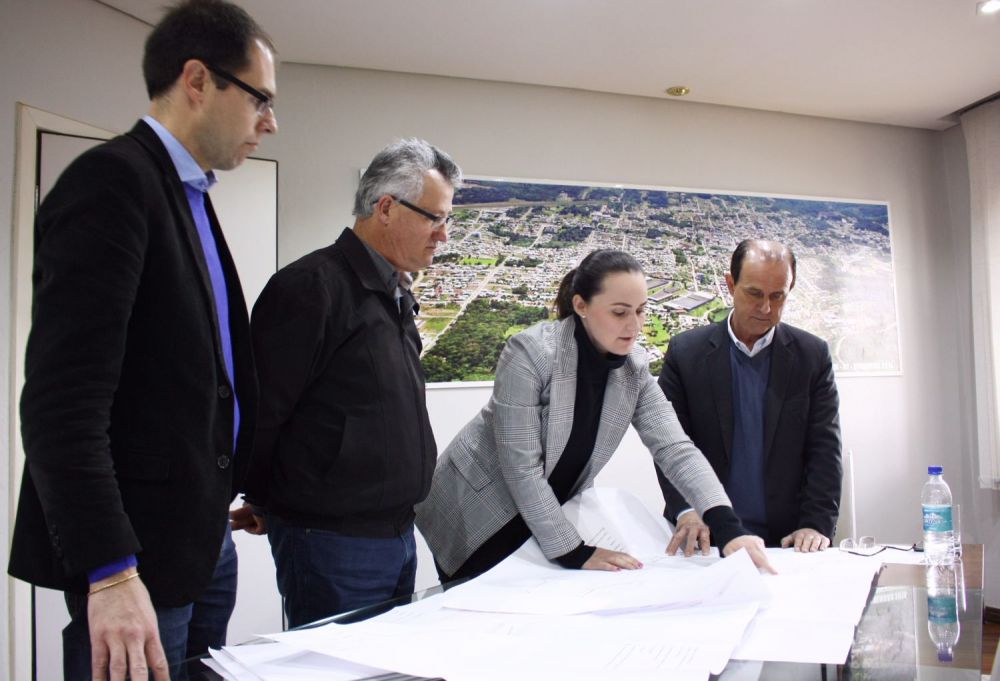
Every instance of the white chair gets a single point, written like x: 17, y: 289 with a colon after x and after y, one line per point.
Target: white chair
x: 847, y: 524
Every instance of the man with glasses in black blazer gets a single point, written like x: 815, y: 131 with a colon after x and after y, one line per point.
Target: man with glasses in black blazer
x: 140, y: 397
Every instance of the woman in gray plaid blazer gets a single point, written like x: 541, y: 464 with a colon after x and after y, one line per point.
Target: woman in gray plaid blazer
x: 500, y: 480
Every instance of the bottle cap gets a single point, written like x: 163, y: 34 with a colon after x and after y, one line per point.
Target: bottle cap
x: 935, y: 470
x: 945, y: 656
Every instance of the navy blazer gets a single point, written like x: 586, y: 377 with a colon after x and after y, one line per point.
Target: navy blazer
x: 127, y: 409
x: 802, y: 447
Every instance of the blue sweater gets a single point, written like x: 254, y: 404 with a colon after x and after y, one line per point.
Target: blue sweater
x: 746, y: 473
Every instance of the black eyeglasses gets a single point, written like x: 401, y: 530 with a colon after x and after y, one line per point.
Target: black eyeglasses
x: 437, y: 221
x: 265, y: 104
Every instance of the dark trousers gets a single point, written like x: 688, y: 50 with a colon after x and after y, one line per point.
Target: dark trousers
x: 184, y: 632
x: 322, y: 573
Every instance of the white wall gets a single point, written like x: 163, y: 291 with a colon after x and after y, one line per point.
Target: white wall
x: 80, y: 59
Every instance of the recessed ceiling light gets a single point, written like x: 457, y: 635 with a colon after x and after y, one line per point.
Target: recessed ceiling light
x: 681, y: 90
x: 989, y: 7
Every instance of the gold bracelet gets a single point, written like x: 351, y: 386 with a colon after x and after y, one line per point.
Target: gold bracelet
x: 102, y: 587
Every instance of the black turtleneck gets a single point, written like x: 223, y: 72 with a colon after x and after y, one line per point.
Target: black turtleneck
x: 592, y: 369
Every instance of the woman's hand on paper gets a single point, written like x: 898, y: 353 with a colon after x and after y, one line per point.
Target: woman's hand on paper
x: 755, y: 548
x: 606, y: 559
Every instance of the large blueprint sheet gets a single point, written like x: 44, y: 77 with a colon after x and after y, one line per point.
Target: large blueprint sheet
x: 679, y: 618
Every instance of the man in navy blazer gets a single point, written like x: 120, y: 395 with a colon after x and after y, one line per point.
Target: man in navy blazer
x: 140, y: 395
x: 758, y: 398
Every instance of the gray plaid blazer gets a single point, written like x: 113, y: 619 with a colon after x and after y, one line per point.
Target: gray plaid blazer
x: 498, y: 465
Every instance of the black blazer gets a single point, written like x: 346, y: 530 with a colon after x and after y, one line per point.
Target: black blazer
x: 127, y: 411
x: 801, y: 423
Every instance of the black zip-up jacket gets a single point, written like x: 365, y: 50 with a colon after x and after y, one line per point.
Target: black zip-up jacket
x: 343, y: 441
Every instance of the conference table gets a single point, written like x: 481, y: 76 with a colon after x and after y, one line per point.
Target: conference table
x: 891, y: 642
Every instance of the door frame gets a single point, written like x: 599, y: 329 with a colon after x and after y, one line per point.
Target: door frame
x: 31, y: 122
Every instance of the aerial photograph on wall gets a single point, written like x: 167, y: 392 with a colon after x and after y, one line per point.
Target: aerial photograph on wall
x: 510, y: 243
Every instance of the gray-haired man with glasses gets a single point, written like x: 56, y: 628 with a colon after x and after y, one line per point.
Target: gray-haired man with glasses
x: 345, y: 448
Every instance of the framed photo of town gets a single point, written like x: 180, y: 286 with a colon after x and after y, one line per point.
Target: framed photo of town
x: 511, y: 241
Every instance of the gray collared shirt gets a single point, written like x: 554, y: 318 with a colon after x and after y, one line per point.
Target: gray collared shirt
x: 395, y: 281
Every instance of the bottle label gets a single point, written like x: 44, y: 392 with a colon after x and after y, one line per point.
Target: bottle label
x: 937, y: 518
x: 942, y: 609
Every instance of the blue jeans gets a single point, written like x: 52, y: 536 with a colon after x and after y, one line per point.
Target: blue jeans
x: 184, y: 632
x: 322, y: 573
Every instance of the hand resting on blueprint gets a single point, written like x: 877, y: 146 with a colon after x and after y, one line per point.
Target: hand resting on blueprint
x: 606, y: 559
x: 693, y: 534
x: 755, y: 548
x: 806, y: 540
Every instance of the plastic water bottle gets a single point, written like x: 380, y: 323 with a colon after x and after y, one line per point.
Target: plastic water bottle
x: 939, y: 543
x: 942, y: 610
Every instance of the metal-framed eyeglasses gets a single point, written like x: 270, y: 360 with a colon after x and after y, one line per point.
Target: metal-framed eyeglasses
x: 866, y: 546
x: 265, y: 104
x: 438, y: 222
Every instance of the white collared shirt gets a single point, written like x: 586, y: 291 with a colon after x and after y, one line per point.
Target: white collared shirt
x: 761, y: 343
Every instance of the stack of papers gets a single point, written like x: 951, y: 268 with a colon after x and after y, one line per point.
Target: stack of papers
x: 280, y: 662
x: 679, y: 618
x: 815, y: 602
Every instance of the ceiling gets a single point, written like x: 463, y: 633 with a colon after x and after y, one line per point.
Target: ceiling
x: 900, y: 62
